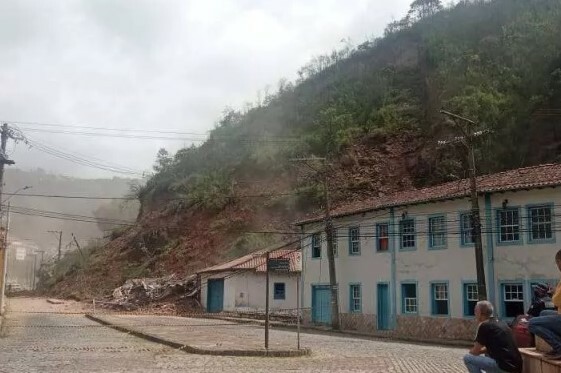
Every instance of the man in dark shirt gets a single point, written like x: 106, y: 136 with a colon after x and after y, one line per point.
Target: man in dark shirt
x: 495, y: 340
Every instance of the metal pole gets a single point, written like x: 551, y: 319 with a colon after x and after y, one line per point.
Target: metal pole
x: 5, y: 262
x: 267, y: 305
x: 3, y: 278
x: 298, y: 311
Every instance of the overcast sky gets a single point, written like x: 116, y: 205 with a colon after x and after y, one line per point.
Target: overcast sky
x: 156, y: 65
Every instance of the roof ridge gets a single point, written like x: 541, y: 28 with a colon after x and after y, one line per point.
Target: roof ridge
x: 513, y: 179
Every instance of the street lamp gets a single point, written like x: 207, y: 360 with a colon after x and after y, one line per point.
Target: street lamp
x: 16, y: 192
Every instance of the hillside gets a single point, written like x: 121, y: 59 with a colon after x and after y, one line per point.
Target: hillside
x: 373, y: 111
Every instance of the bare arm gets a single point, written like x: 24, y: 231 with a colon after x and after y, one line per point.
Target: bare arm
x: 477, y: 349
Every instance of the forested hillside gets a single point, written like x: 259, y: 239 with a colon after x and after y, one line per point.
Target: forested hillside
x: 371, y: 109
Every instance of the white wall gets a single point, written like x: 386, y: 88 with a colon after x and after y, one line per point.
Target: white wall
x: 246, y: 290
x: 454, y: 264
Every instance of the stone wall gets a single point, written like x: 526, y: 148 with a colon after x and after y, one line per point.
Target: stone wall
x: 409, y: 327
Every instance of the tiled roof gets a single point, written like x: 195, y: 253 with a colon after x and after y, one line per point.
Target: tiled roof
x: 547, y: 175
x: 257, y: 260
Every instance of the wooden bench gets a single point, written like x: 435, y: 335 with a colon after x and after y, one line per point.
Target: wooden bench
x: 535, y: 362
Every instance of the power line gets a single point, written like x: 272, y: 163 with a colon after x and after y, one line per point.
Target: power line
x: 270, y: 139
x: 169, y: 131
x: 76, y: 158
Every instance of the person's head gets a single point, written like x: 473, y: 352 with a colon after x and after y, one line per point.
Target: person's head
x: 558, y: 259
x: 483, y: 310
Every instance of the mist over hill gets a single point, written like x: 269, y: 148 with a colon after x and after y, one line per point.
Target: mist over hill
x: 27, y: 225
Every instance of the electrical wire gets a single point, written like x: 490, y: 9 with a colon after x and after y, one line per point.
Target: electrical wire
x: 78, y: 159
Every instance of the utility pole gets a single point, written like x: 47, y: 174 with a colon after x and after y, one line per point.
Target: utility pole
x: 59, y: 243
x: 467, y: 140
x: 329, y: 230
x: 78, y: 246
x: 42, y: 257
x: 267, y: 296
x: 5, y: 133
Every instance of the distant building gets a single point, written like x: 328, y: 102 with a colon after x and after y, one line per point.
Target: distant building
x: 239, y: 285
x: 22, y: 266
x: 405, y: 263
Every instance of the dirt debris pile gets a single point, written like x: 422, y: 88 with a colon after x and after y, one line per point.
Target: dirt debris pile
x: 140, y: 293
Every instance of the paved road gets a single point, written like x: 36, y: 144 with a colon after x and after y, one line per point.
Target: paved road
x: 51, y: 342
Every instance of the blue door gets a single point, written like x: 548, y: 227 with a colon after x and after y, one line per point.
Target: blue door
x: 321, y: 304
x: 383, y: 307
x: 215, y: 295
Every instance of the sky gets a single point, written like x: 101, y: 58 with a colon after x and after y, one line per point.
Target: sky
x: 156, y: 66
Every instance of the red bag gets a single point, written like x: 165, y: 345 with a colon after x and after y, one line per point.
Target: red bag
x: 522, y: 335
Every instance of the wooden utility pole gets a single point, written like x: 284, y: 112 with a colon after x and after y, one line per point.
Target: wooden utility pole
x: 467, y: 140
x: 331, y: 257
x: 59, y: 243
x: 78, y: 246
x: 329, y: 230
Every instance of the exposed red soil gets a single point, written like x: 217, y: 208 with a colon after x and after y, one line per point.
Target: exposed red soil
x: 166, y: 242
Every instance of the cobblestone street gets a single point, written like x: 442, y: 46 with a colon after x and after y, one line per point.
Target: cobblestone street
x: 49, y: 342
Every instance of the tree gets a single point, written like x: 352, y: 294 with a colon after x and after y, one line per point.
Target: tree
x: 420, y: 9
x: 163, y: 160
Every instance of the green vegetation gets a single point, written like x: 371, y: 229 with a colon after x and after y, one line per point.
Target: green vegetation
x: 497, y: 62
x: 71, y: 263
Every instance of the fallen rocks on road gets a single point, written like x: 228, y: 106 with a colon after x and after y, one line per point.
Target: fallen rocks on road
x: 140, y: 292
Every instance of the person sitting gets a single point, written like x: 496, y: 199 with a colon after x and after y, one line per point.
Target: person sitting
x: 541, y: 300
x: 494, y: 338
x: 548, y: 325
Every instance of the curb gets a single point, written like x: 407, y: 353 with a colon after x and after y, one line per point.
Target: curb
x: 201, y: 351
x: 349, y: 333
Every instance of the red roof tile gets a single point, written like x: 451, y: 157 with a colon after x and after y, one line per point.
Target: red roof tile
x: 257, y: 260
x: 546, y: 175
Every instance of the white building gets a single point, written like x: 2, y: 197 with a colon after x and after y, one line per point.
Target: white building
x: 22, y: 265
x: 405, y: 263
x: 239, y: 285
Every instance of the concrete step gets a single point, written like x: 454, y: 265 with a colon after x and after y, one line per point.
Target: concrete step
x: 534, y: 362
x: 542, y: 346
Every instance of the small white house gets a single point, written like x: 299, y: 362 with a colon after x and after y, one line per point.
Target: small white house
x: 405, y: 263
x: 239, y: 285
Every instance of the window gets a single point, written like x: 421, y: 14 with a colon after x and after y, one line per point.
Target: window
x: 354, y: 241
x: 540, y: 223
x: 437, y: 232
x: 407, y: 232
x: 440, y: 299
x: 470, y: 298
x: 382, y: 232
x: 509, y: 225
x: 279, y: 290
x: 356, y: 298
x: 513, y: 300
x: 316, y: 245
x: 409, y: 298
x: 466, y: 228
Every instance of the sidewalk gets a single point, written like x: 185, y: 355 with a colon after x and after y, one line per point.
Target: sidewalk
x: 203, y: 336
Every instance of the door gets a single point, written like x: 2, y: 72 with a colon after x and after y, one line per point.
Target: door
x: 215, y: 295
x: 383, y: 307
x: 321, y: 304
